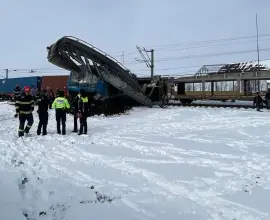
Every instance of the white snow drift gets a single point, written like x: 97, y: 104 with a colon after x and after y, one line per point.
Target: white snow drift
x: 175, y: 163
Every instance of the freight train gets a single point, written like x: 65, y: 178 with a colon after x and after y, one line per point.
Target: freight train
x: 7, y: 85
x: 110, y: 86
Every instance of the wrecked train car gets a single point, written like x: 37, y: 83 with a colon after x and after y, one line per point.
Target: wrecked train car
x: 107, y: 82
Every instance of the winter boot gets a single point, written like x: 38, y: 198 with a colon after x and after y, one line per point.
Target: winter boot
x: 81, y: 129
x: 39, y: 129
x: 26, y: 130
x: 85, y: 130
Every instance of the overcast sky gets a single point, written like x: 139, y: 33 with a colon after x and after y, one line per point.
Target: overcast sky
x: 28, y: 27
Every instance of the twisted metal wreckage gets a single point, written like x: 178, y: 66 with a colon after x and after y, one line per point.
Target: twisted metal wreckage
x: 89, y: 66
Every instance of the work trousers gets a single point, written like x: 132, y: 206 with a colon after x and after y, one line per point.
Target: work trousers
x: 259, y: 106
x: 83, y: 125
x: 75, y: 118
x: 43, y: 122
x: 61, y: 117
x: 23, y: 118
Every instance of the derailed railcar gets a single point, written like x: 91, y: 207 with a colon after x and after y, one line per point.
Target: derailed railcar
x: 107, y: 99
x: 108, y: 83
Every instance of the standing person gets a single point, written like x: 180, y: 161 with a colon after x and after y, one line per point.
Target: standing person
x: 50, y: 96
x: 75, y: 106
x: 17, y: 92
x: 43, y: 105
x: 267, y: 98
x: 37, y: 94
x: 57, y: 93
x: 65, y: 91
x: 24, y: 108
x: 61, y: 106
x: 258, y: 101
x: 33, y: 91
x: 83, y: 112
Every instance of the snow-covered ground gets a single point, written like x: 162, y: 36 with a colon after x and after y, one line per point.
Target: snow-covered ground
x: 174, y: 163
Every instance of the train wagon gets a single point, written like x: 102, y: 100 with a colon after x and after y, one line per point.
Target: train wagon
x: 54, y: 82
x: 7, y: 85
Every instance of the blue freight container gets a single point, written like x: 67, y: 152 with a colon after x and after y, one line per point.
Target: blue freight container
x: 8, y: 85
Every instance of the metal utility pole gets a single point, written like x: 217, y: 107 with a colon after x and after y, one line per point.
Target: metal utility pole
x: 149, y: 61
x: 258, y: 50
x: 6, y: 73
x: 152, y: 63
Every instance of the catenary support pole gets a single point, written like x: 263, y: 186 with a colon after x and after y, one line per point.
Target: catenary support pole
x: 258, y: 51
x: 152, y: 63
x: 6, y: 73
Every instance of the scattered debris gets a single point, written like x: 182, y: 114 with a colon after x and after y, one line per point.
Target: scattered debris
x: 16, y: 163
x: 22, y: 184
x: 25, y: 215
x: 42, y: 213
x: 91, y: 187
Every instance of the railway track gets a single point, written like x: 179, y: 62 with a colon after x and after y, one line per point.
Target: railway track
x: 211, y: 105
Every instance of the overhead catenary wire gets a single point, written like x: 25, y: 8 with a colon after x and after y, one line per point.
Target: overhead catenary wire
x: 197, y: 44
x: 208, y: 46
x: 204, y: 55
x: 142, y: 70
x: 209, y: 41
x: 199, y: 66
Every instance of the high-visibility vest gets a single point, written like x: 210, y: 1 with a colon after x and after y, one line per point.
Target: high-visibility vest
x: 82, y: 102
x: 60, y: 103
x: 85, y: 99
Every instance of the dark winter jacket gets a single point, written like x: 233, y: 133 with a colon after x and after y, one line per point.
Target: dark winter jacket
x: 37, y: 94
x: 75, y: 102
x: 57, y: 93
x: 24, y: 104
x: 257, y: 101
x: 267, y: 95
x: 83, y: 105
x: 17, y: 92
x: 43, y: 104
x: 50, y: 94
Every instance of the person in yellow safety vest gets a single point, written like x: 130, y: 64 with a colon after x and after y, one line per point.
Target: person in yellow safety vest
x: 61, y: 106
x: 83, y: 112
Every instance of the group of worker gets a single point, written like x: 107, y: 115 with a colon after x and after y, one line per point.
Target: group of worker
x: 25, y: 106
x: 36, y: 93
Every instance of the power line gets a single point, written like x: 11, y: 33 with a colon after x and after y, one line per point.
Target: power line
x: 211, y: 41
x: 204, y: 55
x: 173, y: 68
x: 207, y: 46
x: 143, y: 70
x: 199, y: 66
x: 159, y: 47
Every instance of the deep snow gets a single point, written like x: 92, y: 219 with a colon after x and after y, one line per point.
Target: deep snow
x: 174, y: 163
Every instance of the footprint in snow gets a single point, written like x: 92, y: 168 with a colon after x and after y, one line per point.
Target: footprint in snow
x: 22, y: 186
x: 101, y: 198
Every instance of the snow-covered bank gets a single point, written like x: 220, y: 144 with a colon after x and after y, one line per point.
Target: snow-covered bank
x: 175, y: 163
